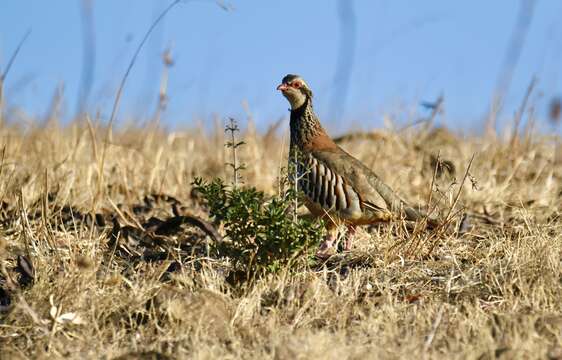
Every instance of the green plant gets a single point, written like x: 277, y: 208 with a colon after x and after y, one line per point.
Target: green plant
x: 262, y: 237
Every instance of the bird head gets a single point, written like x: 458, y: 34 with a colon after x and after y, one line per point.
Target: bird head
x: 295, y: 89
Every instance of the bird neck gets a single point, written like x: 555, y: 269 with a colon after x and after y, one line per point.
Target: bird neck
x: 305, y: 126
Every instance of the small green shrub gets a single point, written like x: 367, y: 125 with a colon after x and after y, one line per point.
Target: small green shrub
x: 262, y: 235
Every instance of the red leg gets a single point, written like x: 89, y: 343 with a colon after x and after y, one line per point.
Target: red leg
x: 349, y: 237
x: 328, y: 248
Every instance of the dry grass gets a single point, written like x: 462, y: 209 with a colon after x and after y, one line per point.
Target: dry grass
x: 493, y: 291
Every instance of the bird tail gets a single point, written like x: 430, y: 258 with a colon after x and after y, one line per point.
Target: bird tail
x: 398, y: 205
x: 419, y: 215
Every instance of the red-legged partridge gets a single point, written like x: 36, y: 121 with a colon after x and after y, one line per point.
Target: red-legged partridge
x: 337, y: 186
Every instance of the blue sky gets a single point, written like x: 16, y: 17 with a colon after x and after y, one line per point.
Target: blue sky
x: 402, y: 53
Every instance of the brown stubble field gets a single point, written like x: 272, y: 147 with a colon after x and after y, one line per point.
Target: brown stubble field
x: 69, y: 290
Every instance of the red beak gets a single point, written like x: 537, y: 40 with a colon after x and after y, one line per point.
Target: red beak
x: 282, y: 87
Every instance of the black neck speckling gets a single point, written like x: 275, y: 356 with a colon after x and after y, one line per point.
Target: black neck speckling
x: 304, y: 124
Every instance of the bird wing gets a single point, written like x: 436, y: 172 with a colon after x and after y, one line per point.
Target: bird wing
x: 373, y: 192
x: 354, y: 174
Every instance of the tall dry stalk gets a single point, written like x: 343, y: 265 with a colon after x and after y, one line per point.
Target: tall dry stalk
x: 512, y: 55
x: 233, y: 144
x: 7, y: 70
x: 118, y: 98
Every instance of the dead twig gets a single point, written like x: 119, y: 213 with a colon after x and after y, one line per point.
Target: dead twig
x: 175, y: 222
